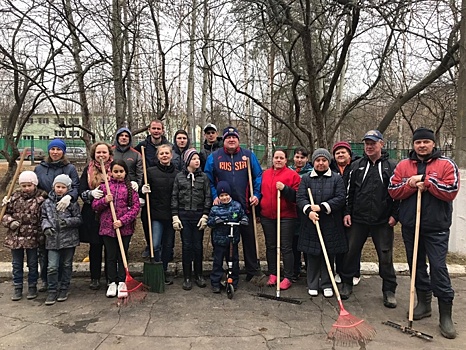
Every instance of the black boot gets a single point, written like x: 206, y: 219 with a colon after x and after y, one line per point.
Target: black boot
x: 423, y: 308
x: 446, y: 324
x: 17, y: 293
x: 199, y: 279
x: 346, y: 290
x: 187, y: 284
x: 32, y: 292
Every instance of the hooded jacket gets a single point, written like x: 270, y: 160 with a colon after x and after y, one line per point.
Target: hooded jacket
x: 150, y: 149
x: 130, y: 156
x: 178, y: 155
x: 442, y: 182
x: 47, y: 170
x: 207, y: 149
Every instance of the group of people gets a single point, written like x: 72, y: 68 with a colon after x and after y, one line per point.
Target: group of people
x: 351, y: 197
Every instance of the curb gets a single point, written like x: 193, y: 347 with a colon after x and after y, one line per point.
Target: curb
x: 81, y: 269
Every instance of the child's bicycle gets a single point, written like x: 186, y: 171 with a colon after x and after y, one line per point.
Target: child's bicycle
x: 228, y: 283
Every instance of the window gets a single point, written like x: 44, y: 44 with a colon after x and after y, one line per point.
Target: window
x: 59, y: 133
x: 28, y: 137
x: 73, y: 133
x: 41, y: 137
x: 74, y: 120
x: 59, y: 120
x: 43, y: 120
x: 31, y: 121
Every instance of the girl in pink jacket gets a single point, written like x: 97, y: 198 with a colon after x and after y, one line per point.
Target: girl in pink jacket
x: 126, y: 203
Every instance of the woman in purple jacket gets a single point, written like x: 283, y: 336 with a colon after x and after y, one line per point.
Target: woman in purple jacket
x: 126, y: 202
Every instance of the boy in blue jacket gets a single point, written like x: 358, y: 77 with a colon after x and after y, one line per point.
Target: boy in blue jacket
x: 227, y: 211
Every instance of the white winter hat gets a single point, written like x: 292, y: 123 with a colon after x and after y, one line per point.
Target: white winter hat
x: 28, y: 176
x: 63, y: 179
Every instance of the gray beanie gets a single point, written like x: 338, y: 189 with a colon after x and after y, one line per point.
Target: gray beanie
x: 63, y: 179
x: 320, y: 152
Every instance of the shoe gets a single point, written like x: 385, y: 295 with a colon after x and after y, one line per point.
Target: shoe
x: 111, y: 290
x: 122, y: 290
x: 356, y: 280
x: 338, y: 279
x: 446, y: 324
x: 423, y: 308
x: 215, y: 290
x: 200, y: 281
x: 389, y: 299
x: 285, y: 284
x: 62, y: 295
x: 168, y: 281
x: 146, y: 252
x: 313, y: 292
x: 95, y: 284
x: 32, y: 292
x: 272, y: 280
x: 86, y: 259
x: 17, y: 294
x: 345, y: 291
x: 187, y: 284
x: 249, y: 277
x: 328, y: 292
x: 51, y: 298
x: 43, y: 287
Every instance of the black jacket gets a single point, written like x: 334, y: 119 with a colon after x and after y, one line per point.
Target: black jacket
x: 150, y: 149
x: 368, y: 201
x: 208, y: 149
x: 334, y: 167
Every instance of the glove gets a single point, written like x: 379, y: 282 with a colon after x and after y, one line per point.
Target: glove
x: 219, y: 220
x: 145, y: 189
x: 5, y: 201
x: 64, y: 203
x: 48, y: 232
x: 202, y: 224
x: 14, y: 225
x: 135, y: 186
x: 176, y: 222
x: 142, y: 202
x: 97, y: 194
x: 62, y: 223
x: 244, y: 222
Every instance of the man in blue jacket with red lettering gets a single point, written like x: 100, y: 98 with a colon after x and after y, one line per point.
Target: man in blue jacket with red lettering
x: 230, y: 164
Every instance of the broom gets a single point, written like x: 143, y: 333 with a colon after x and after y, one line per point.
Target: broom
x: 153, y: 274
x: 260, y: 279
x: 134, y: 289
x: 13, y: 181
x: 348, y: 330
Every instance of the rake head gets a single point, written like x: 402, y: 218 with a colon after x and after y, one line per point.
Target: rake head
x: 135, y: 291
x: 349, y: 330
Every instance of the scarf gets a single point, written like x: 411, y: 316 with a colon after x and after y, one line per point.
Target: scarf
x: 95, y: 174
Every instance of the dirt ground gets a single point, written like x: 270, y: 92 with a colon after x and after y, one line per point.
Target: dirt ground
x: 138, y: 242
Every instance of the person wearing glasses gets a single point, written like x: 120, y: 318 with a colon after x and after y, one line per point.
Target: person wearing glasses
x: 212, y: 142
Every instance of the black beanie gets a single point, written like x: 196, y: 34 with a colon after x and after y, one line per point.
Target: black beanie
x: 423, y: 134
x: 223, y: 187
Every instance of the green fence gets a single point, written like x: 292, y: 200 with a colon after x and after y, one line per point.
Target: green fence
x: 42, y: 144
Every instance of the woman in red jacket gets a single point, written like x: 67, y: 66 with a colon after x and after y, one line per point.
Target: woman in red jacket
x: 279, y: 178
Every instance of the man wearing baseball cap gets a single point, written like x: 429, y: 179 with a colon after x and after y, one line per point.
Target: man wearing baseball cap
x: 212, y: 142
x: 370, y: 209
x: 437, y: 177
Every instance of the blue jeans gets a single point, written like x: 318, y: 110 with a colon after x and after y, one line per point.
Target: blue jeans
x: 32, y: 264
x: 43, y: 260
x: 60, y: 263
x: 163, y: 240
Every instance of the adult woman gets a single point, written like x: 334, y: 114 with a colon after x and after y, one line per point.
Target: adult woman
x: 55, y: 164
x: 329, y: 194
x: 160, y: 178
x: 90, y: 181
x: 279, y: 178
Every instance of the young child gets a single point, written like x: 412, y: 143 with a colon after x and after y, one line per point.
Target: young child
x: 227, y: 211
x: 22, y: 217
x: 126, y: 203
x: 191, y: 203
x: 61, y: 238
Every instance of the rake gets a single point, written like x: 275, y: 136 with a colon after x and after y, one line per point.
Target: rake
x: 348, y: 330
x: 13, y: 181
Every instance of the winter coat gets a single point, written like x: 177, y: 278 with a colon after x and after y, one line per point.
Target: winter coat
x: 125, y: 212
x: 150, y: 149
x: 130, y: 156
x: 161, y: 179
x: 191, y: 195
x: 230, y: 212
x: 368, y: 201
x: 207, y: 149
x: 307, y: 168
x: 68, y: 236
x: 232, y: 168
x: 328, y: 191
x: 268, y: 203
x: 178, y: 155
x: 47, y: 171
x: 346, y: 171
x: 442, y: 182
x: 24, y: 208
x: 89, y: 230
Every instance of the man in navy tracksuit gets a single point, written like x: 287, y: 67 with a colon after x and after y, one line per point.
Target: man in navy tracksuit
x: 230, y: 164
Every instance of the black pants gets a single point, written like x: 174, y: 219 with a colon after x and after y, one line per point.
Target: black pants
x: 145, y: 224
x: 95, y: 259
x: 114, y: 262
x: 317, y: 272
x: 382, y: 236
x: 192, y: 249
x: 249, y: 247
x: 434, y: 245
x: 221, y: 253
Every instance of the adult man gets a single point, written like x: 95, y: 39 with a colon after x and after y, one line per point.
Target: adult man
x: 230, y: 164
x: 122, y: 150
x: 181, y: 143
x: 438, y: 179
x: 212, y: 142
x: 370, y: 209
x: 156, y: 138
x: 342, y: 158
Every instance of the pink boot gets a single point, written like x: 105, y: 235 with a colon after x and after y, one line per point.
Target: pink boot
x: 285, y: 284
x: 272, y: 280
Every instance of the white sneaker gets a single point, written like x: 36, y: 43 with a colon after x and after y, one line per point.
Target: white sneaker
x: 328, y: 292
x: 112, y: 290
x: 313, y: 292
x: 337, y: 278
x: 122, y: 290
x: 356, y: 280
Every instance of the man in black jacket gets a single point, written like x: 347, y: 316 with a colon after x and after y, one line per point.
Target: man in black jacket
x: 212, y: 142
x: 370, y: 209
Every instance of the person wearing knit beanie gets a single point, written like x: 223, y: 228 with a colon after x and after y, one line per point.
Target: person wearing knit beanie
x: 188, y: 156
x: 321, y: 152
x: 59, y: 143
x: 28, y: 177
x: 223, y: 187
x: 341, y: 144
x: 230, y: 131
x: 63, y: 179
x: 423, y: 134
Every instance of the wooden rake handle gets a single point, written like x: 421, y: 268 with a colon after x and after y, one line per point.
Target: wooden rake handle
x: 278, y: 242
x: 149, y: 221
x: 112, y: 209
x: 253, y: 207
x: 13, y: 181
x: 414, y: 263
